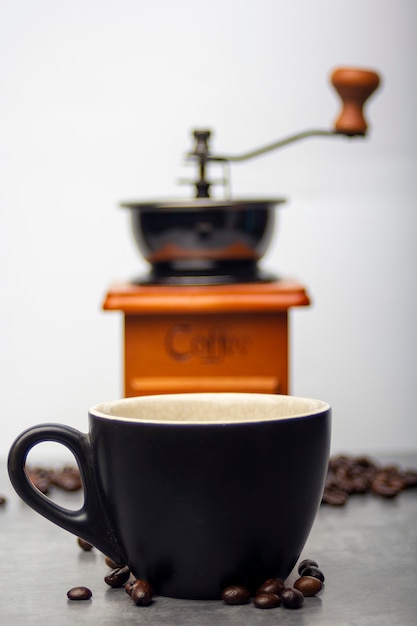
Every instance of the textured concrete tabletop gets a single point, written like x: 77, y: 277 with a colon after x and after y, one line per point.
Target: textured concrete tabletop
x: 366, y: 549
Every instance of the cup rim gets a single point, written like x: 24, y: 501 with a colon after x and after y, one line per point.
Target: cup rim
x: 228, y: 408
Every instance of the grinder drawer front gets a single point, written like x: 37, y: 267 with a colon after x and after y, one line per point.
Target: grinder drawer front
x: 191, y: 353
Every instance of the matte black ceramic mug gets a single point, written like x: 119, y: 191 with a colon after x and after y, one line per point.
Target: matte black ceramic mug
x: 196, y: 491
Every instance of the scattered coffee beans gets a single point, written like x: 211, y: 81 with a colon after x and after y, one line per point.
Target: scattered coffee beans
x: 236, y: 594
x: 266, y: 601
x: 292, y: 598
x: 348, y: 475
x: 308, y: 585
x: 141, y: 593
x: 67, y: 478
x: 273, y: 592
x: 84, y: 545
x: 79, y: 593
x: 117, y: 577
x: 272, y: 585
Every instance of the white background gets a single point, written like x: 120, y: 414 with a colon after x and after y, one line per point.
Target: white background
x: 97, y: 101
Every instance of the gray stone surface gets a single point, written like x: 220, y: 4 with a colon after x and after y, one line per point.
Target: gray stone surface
x: 367, y: 550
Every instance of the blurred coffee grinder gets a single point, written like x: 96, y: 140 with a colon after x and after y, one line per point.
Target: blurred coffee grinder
x: 207, y: 317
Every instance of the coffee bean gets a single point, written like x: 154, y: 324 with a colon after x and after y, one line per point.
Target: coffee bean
x: 141, y: 593
x: 385, y: 489
x: 266, y: 601
x: 307, y: 563
x: 334, y: 496
x: 292, y: 598
x: 410, y: 477
x: 387, y: 484
x: 359, y: 484
x: 112, y: 564
x: 40, y: 478
x: 3, y: 500
x: 272, y: 585
x: 236, y: 594
x: 79, y: 593
x: 129, y: 586
x: 313, y: 571
x: 308, y: 585
x: 117, y: 577
x: 84, y: 545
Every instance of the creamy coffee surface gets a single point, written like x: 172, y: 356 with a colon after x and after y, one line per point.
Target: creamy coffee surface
x: 207, y: 408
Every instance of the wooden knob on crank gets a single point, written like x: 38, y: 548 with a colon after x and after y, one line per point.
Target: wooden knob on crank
x: 354, y: 86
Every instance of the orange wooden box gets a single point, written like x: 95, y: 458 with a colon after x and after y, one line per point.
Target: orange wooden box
x: 181, y: 339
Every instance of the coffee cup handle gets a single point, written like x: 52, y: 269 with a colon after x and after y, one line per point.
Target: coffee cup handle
x: 90, y: 522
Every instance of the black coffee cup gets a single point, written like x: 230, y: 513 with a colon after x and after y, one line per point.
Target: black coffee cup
x: 193, y: 492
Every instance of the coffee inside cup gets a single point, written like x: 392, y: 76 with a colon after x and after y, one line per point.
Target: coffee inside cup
x: 209, y: 408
